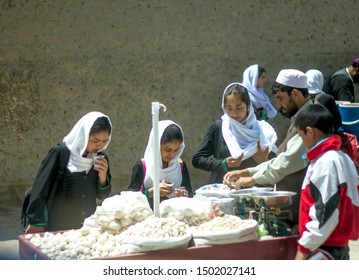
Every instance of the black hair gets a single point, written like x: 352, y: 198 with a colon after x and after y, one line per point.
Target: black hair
x: 279, y: 87
x: 238, y: 90
x: 317, y: 116
x: 171, y: 133
x: 101, y: 124
x: 328, y: 102
x: 261, y: 70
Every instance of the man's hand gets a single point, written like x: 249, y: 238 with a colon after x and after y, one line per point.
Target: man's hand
x: 231, y: 177
x: 244, y: 182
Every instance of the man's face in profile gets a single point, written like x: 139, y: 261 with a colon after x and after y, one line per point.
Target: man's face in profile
x: 285, y: 104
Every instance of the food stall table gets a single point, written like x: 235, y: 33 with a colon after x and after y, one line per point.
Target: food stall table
x: 276, y: 248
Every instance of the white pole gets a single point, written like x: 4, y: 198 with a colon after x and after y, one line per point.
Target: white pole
x: 156, y: 157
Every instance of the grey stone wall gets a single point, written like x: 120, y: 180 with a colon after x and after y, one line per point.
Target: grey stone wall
x: 61, y: 59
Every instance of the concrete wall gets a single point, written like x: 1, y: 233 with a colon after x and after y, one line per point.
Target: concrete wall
x: 61, y: 59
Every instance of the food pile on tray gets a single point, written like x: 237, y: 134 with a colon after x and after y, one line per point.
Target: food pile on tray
x: 125, y: 224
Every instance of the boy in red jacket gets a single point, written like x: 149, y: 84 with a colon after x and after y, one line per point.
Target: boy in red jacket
x: 329, y: 203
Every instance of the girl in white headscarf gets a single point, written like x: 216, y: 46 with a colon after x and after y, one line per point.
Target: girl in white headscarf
x: 315, y: 81
x: 173, y: 173
x: 254, y: 79
x: 82, y: 182
x: 237, y: 140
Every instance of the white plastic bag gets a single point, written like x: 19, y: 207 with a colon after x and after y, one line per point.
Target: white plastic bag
x: 188, y: 210
x: 225, y: 204
x: 156, y: 233
x: 119, y: 212
x: 225, y: 230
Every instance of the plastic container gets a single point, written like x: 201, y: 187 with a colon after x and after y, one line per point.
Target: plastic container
x: 351, y: 127
x: 350, y: 118
x: 349, y: 112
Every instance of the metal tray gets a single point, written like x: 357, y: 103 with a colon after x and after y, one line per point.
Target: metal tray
x: 274, y: 199
x: 244, y: 196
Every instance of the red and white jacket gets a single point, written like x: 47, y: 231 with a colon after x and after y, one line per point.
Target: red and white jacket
x: 329, y: 205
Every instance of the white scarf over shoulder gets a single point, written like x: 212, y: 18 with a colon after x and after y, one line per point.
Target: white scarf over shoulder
x: 173, y: 172
x: 76, y: 141
x: 257, y: 95
x: 241, y: 137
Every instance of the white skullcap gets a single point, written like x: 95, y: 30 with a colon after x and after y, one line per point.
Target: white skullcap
x: 292, y: 78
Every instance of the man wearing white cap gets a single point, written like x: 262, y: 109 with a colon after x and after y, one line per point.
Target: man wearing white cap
x: 287, y: 170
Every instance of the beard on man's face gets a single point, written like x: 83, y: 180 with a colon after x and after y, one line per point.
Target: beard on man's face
x: 284, y: 113
x: 290, y: 112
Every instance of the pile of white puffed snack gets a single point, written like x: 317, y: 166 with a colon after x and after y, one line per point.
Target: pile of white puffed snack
x: 121, y: 225
x: 125, y: 224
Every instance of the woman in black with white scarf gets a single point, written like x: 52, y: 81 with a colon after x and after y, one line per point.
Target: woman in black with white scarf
x: 236, y: 141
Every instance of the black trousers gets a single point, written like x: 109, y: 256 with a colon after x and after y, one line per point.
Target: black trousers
x: 338, y: 253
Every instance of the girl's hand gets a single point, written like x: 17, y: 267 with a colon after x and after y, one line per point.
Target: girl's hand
x: 301, y: 256
x: 261, y: 156
x: 101, y: 166
x: 181, y: 192
x: 165, y: 189
x: 232, y: 163
x: 34, y: 229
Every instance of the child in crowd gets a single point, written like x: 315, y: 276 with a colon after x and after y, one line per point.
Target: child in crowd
x: 82, y: 182
x: 254, y: 80
x: 329, y: 203
x: 173, y: 173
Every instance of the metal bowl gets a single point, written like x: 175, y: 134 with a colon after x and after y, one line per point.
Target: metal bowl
x: 244, y: 196
x: 275, y: 199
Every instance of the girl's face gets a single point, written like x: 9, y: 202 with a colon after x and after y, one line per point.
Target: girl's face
x: 169, y: 151
x: 97, y: 141
x: 262, y: 79
x: 236, y: 108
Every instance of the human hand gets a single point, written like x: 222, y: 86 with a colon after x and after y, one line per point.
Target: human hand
x: 301, y: 256
x: 181, y: 192
x: 101, y: 166
x: 231, y: 177
x: 232, y: 163
x: 244, y: 182
x: 261, y: 156
x: 166, y: 188
x: 34, y: 229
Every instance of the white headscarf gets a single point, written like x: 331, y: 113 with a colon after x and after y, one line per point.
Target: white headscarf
x: 242, y: 137
x: 173, y: 172
x: 77, y: 140
x: 257, y: 95
x: 315, y: 81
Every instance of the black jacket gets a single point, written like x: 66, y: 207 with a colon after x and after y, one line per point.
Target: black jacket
x: 212, y: 150
x: 75, y: 197
x: 340, y: 85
